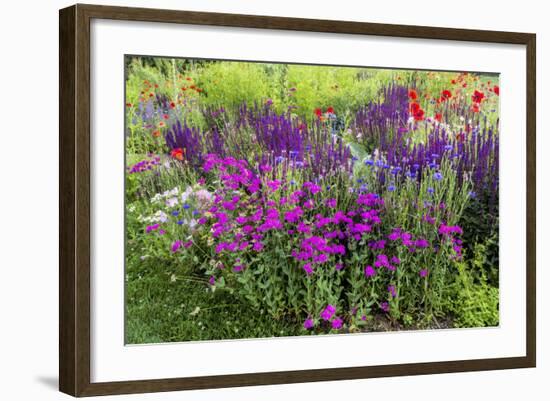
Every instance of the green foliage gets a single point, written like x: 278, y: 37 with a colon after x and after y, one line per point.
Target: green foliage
x: 472, y: 301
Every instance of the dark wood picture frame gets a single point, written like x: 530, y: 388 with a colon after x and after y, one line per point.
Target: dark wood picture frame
x: 74, y: 199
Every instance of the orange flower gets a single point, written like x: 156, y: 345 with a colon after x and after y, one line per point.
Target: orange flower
x: 156, y: 133
x: 162, y: 124
x: 475, y: 107
x: 177, y: 153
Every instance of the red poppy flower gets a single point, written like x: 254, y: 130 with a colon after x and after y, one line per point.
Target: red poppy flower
x: 156, y: 133
x: 199, y: 90
x: 150, y: 95
x: 166, y: 116
x: 318, y: 112
x: 478, y: 96
x: 183, y: 88
x: 496, y: 89
x: 438, y: 117
x: 177, y: 153
x: 128, y: 104
x: 188, y: 79
x: 453, y: 81
x: 475, y: 108
x: 419, y: 115
x: 330, y: 110
x: 446, y: 94
x: 464, y: 85
x: 414, y: 107
x: 412, y: 94
x: 172, y: 105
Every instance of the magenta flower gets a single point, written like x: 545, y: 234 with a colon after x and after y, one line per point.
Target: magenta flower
x: 395, y: 260
x: 392, y: 291
x: 382, y: 260
x: 152, y: 228
x: 176, y: 245
x: 369, y: 271
x: 395, y: 235
x: 274, y: 185
x: 421, y: 243
x: 337, y: 323
x: 212, y: 280
x: 321, y: 258
x: 328, y: 312
x: 331, y: 203
x: 241, y: 219
x: 339, y: 266
x: 308, y: 323
x: 385, y: 307
x: 423, y: 273
x: 307, y: 267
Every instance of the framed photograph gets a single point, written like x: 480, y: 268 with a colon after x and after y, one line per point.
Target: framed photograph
x: 250, y: 200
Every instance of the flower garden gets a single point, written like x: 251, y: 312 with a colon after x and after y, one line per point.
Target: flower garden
x: 280, y: 200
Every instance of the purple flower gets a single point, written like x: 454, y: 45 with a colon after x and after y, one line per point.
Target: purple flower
x: 339, y: 266
x: 369, y: 271
x: 395, y: 260
x: 423, y: 272
x: 438, y: 176
x: 392, y: 291
x: 385, y: 307
x: 212, y: 280
x: 308, y: 323
x: 328, y: 312
x: 337, y: 323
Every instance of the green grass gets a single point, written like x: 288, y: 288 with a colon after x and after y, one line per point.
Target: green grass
x: 165, y: 305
